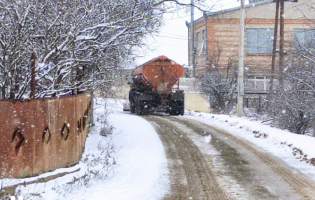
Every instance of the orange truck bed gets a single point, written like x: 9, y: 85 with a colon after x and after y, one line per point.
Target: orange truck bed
x: 161, y: 72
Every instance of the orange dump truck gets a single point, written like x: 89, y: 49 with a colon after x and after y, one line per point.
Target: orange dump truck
x: 153, y: 90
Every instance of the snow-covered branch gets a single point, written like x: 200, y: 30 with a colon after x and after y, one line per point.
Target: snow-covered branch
x: 77, y: 43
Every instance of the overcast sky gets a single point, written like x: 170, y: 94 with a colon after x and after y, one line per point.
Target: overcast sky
x: 173, y: 38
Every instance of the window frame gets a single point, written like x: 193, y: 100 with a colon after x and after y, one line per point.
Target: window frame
x: 298, y: 45
x: 260, y: 47
x: 204, y: 38
x: 197, y: 40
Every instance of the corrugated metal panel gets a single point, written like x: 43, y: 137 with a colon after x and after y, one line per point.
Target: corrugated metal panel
x: 39, y: 135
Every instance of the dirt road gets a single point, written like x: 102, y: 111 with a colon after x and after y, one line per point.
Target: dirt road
x: 227, y: 167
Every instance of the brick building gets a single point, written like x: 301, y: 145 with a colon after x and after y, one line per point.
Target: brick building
x: 217, y: 35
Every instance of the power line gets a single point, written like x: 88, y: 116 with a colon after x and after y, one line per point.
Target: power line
x: 184, y: 36
x: 177, y: 38
x: 185, y: 16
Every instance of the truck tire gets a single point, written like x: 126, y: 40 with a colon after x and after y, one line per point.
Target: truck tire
x: 132, y: 105
x: 132, y: 108
x: 174, y: 108
x: 136, y: 106
x: 146, y: 107
x: 177, y: 108
x: 182, y: 110
x: 139, y: 107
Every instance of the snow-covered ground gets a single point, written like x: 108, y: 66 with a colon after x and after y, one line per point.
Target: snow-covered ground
x: 298, y: 151
x: 136, y: 166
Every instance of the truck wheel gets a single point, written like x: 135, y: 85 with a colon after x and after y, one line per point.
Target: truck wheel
x: 139, y: 110
x: 139, y: 107
x: 182, y: 110
x: 174, y: 109
x: 146, y: 107
x: 132, y: 104
x: 132, y: 107
x: 136, y: 107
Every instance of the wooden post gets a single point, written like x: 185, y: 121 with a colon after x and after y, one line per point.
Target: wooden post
x: 281, y: 53
x: 33, y: 81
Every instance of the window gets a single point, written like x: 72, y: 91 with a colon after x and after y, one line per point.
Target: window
x: 200, y: 42
x: 304, y: 38
x: 203, y: 48
x: 259, y: 41
x: 197, y: 41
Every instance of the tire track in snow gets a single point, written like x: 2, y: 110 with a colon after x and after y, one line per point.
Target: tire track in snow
x: 297, y: 181
x: 187, y: 164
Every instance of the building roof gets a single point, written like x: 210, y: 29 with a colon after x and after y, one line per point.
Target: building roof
x: 233, y: 9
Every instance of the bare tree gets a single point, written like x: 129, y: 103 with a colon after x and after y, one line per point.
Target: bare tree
x: 219, y: 86
x: 293, y: 106
x: 14, y: 46
x: 84, y: 42
x: 76, y: 45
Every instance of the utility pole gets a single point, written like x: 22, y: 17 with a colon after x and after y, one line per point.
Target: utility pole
x: 275, y: 37
x: 281, y: 53
x: 240, y: 78
x: 192, y: 37
x: 206, y: 38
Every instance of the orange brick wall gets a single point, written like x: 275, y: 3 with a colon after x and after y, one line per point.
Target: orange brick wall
x: 223, y: 34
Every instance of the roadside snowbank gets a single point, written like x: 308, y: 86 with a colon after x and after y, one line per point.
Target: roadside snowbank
x: 142, y: 171
x: 298, y: 151
x: 140, y: 165
x: 136, y: 164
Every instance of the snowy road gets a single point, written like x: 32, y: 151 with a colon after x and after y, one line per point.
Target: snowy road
x: 163, y: 157
x: 191, y: 175
x: 228, y: 167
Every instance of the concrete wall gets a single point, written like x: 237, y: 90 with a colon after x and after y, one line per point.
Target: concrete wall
x: 196, y: 102
x: 119, y: 92
x: 122, y: 91
x: 42, y: 135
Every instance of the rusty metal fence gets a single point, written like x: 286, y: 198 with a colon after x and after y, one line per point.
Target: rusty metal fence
x: 41, y: 135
